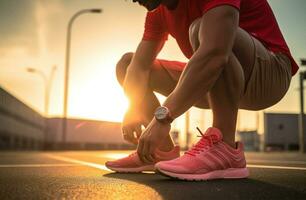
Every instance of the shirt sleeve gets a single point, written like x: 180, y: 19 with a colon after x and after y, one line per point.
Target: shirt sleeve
x: 154, y: 27
x: 210, y: 4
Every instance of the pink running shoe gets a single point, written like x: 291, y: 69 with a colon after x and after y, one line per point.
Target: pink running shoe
x: 210, y: 158
x: 133, y: 164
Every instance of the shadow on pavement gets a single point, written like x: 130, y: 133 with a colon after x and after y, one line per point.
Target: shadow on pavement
x: 215, y: 189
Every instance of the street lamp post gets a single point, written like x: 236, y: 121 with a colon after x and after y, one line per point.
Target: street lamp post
x: 67, y: 62
x: 47, y: 82
x: 301, y: 115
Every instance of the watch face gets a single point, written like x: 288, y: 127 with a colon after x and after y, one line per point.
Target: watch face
x: 161, y: 113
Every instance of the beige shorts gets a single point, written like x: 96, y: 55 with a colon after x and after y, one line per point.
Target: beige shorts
x: 268, y: 83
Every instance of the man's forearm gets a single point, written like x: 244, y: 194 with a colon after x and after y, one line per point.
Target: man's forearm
x: 135, y: 85
x: 199, y: 76
x: 137, y: 77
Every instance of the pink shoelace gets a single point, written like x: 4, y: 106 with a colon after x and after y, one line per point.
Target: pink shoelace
x: 205, y: 143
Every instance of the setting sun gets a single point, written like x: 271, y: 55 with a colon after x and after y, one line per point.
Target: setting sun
x: 98, y: 99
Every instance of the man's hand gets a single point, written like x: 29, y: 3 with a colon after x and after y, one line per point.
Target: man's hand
x: 150, y: 139
x: 135, y: 86
x: 131, y: 126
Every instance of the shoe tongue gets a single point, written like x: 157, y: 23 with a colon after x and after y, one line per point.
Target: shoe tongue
x: 214, y: 133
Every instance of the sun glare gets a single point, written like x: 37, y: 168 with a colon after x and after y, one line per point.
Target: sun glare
x: 99, y: 96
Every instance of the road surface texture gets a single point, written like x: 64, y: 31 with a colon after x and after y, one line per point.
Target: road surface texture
x: 82, y: 175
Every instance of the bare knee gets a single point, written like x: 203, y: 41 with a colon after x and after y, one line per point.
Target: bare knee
x: 194, y: 34
x: 122, y: 65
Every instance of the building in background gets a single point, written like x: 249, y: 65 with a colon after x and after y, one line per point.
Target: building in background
x: 250, y: 139
x: 20, y: 126
x: 280, y: 131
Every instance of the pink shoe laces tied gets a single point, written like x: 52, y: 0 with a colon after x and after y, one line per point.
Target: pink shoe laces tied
x: 205, y: 143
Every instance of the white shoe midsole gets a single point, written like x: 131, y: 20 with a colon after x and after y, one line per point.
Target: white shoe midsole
x: 231, y: 173
x: 135, y: 169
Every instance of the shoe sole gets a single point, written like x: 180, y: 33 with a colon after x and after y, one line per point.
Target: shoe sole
x: 232, y: 173
x: 132, y: 170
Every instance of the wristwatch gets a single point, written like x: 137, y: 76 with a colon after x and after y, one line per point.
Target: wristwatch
x: 163, y: 115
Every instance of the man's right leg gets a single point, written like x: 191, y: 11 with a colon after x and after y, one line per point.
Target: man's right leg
x: 161, y: 81
x: 164, y: 84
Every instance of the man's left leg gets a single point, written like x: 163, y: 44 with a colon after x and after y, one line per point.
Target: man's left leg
x: 226, y: 158
x: 225, y: 95
x: 216, y: 155
x: 253, y: 79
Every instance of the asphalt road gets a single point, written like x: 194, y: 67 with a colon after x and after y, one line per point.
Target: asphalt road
x: 82, y: 175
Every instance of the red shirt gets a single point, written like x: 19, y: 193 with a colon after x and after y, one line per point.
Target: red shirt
x: 256, y: 17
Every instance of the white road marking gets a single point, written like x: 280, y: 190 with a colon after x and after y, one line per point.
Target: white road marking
x: 277, y: 161
x: 37, y: 165
x: 113, y: 155
x: 276, y: 167
x: 89, y: 164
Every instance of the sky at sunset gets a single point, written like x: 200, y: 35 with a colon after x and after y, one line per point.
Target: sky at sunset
x: 33, y: 34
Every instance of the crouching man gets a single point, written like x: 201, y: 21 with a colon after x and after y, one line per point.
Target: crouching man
x: 238, y: 59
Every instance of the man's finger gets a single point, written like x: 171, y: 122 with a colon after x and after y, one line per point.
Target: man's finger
x: 140, y: 149
x: 145, y: 152
x: 150, y: 155
x: 134, y: 138
x: 128, y: 135
x: 149, y: 158
x: 138, y: 131
x: 152, y: 151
